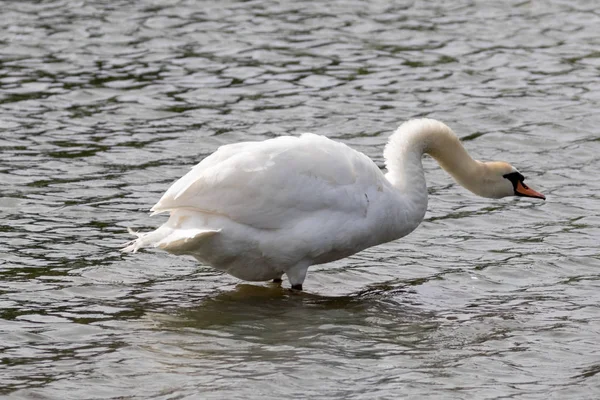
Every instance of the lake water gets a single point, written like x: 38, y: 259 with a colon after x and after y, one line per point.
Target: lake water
x: 103, y: 104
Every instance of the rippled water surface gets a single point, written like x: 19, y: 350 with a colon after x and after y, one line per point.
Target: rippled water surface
x: 104, y: 103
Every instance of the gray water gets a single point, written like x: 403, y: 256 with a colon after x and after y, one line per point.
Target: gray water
x: 103, y: 104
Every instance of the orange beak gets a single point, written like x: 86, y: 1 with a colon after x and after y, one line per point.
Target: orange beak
x: 524, y: 190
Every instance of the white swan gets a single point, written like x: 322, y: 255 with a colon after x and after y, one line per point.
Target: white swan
x: 258, y: 210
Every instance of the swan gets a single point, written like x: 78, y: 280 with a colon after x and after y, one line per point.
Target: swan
x: 258, y: 210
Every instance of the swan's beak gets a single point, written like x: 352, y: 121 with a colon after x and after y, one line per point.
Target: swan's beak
x: 524, y: 190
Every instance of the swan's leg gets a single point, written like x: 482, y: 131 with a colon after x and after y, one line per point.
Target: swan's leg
x: 296, y: 275
x: 278, y: 280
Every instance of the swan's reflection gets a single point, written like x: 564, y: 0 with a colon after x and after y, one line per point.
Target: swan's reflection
x: 251, y: 308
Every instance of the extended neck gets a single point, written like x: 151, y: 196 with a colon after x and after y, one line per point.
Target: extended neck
x: 407, y: 145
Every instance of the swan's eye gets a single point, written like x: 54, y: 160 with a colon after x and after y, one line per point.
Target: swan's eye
x: 514, y: 177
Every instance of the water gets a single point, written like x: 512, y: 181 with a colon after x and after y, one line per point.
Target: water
x: 104, y: 103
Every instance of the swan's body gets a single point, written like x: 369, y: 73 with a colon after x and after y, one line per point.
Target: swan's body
x: 258, y: 210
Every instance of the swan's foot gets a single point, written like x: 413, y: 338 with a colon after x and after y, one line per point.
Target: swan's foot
x: 277, y: 280
x: 296, y: 275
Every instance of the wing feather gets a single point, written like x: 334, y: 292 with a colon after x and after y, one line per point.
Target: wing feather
x: 273, y: 184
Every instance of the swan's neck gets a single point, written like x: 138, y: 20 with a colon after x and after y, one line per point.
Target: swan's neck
x: 405, y: 150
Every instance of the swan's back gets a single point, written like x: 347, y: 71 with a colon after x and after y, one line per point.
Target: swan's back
x: 272, y: 184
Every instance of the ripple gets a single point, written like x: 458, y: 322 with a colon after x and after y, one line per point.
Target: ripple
x: 103, y: 105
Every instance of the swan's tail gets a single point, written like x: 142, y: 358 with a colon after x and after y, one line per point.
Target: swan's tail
x: 143, y: 240
x: 173, y: 240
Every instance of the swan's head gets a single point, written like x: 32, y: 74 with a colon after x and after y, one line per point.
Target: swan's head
x: 502, y: 179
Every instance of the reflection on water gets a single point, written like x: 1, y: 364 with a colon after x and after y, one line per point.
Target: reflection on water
x: 254, y: 305
x: 104, y: 104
